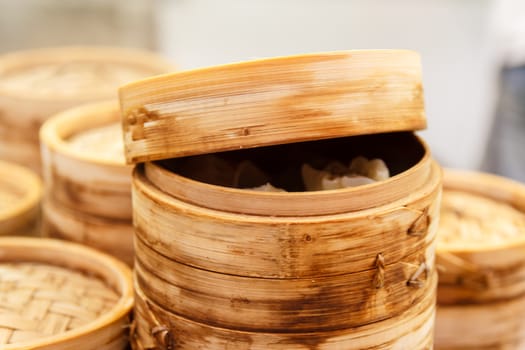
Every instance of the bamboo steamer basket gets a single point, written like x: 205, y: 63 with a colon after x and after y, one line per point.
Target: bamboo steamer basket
x: 59, y: 295
x: 481, y: 281
x: 39, y: 83
x: 220, y: 267
x: 88, y: 190
x: 20, y: 195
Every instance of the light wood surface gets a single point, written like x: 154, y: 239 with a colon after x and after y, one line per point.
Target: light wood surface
x: 272, y: 101
x: 411, y: 330
x: 37, y: 84
x: 20, y: 196
x: 106, y: 331
x: 481, y: 291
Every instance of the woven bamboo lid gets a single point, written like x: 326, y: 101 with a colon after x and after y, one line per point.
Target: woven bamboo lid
x: 20, y: 194
x: 272, y: 101
x: 74, y: 73
x: 481, y: 212
x: 60, y: 295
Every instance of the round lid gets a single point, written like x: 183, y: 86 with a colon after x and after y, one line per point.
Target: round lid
x: 272, y: 101
x: 77, y: 72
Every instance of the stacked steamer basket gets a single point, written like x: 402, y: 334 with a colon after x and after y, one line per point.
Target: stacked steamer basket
x: 59, y: 295
x: 220, y: 267
x: 88, y: 195
x: 481, y: 261
x: 20, y: 194
x: 37, y: 84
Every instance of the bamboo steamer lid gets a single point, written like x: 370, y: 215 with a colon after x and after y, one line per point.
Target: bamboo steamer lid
x: 36, y: 84
x: 272, y: 101
x: 59, y: 295
x: 20, y: 195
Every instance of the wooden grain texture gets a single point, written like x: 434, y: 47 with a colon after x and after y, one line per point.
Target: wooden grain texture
x: 274, y: 305
x: 107, y: 331
x: 285, y: 247
x: 36, y: 84
x: 111, y: 236
x: 77, y: 179
x: 480, y: 272
x: 20, y: 196
x: 245, y: 201
x: 497, y: 325
x: 158, y: 329
x: 481, y: 291
x: 272, y: 101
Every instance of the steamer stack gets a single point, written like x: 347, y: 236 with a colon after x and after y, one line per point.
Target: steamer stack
x: 480, y: 255
x: 220, y: 267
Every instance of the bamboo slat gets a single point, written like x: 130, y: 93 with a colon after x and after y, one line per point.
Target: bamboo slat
x: 295, y: 305
x: 481, y: 291
x: 83, y: 177
x: 20, y: 195
x: 114, y: 237
x: 88, y: 190
x: 56, y: 295
x: 272, y: 101
x: 157, y: 328
x: 39, y: 83
x: 285, y: 247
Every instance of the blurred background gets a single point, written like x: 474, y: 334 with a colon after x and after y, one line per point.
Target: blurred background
x: 471, y: 51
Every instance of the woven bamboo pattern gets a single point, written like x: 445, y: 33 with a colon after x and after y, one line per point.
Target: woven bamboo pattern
x: 39, y: 300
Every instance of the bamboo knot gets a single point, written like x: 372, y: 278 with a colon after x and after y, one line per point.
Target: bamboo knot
x: 379, y: 277
x: 164, y: 337
x: 414, y: 280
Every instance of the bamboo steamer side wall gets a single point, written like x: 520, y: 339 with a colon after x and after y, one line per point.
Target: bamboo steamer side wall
x: 87, y: 196
x: 24, y: 108
x: 412, y: 329
x: 20, y: 196
x: 77, y: 179
x: 481, y: 291
x: 114, y: 237
x: 285, y: 247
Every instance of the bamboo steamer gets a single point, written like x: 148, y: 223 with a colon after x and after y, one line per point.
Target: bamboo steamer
x: 88, y: 191
x: 221, y: 267
x: 39, y: 83
x: 60, y: 296
x: 481, y: 276
x: 20, y: 195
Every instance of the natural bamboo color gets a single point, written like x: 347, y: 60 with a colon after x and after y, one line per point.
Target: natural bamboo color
x: 114, y: 237
x: 217, y: 277
x: 157, y: 328
x: 481, y: 284
x: 272, y: 101
x: 88, y: 190
x: 20, y: 195
x: 39, y: 83
x: 273, y: 305
x: 287, y: 247
x: 78, y: 177
x: 56, y: 295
